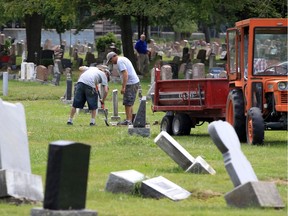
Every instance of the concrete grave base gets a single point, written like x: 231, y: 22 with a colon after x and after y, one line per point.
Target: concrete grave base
x: 142, y: 131
x: 46, y: 212
x: 201, y: 166
x: 255, y: 194
x: 160, y: 187
x: 123, y: 181
x: 21, y: 185
x: 115, y: 118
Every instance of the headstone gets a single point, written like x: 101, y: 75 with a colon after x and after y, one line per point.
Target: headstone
x: 41, y: 73
x: 186, y: 161
x: 2, y: 39
x: 16, y: 179
x: 248, y: 191
x: 198, y: 71
x: 66, y: 63
x: 139, y: 126
x: 59, y: 63
x: 124, y: 181
x: 166, y: 72
x: 212, y: 60
x: 160, y: 187
x: 5, y: 83
x: 115, y: 116
x: 66, y: 176
x: 201, y: 55
x: 68, y: 87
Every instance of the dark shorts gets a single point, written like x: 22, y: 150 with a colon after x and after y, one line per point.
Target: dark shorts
x: 85, y: 93
x: 130, y: 94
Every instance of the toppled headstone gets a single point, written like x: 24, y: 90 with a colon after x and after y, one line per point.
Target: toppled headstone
x: 16, y: 179
x: 124, y: 181
x: 186, y: 161
x: 160, y: 187
x: 139, y: 124
x: 248, y: 191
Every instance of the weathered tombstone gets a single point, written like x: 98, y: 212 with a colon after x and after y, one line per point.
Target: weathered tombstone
x: 124, y: 181
x: 166, y: 72
x: 115, y: 116
x: 160, y: 187
x: 16, y: 179
x: 68, y: 95
x: 201, y: 55
x: 248, y: 191
x: 41, y: 73
x: 212, y: 60
x: 198, y: 71
x: 2, y: 39
x: 186, y: 161
x: 139, y: 124
x: 56, y: 75
x: 59, y: 63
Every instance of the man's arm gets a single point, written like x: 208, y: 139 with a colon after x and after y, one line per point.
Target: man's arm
x: 124, y: 81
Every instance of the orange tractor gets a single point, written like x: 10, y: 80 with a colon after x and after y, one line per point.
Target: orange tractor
x: 257, y: 73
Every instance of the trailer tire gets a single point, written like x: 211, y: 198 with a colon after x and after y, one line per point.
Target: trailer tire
x: 255, y: 126
x: 166, y: 124
x: 181, y: 124
x: 235, y: 113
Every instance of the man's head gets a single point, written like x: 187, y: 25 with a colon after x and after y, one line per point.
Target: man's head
x: 104, y: 69
x: 142, y: 37
x: 111, y: 58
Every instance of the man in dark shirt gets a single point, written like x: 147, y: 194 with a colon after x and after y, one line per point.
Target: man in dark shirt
x: 142, y: 52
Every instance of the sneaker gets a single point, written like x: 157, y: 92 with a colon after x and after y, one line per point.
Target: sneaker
x: 69, y: 123
x: 125, y: 122
x: 92, y: 124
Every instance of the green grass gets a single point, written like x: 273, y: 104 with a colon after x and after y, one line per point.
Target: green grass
x: 112, y: 149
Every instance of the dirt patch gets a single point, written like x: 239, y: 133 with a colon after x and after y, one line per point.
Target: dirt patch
x: 207, y: 194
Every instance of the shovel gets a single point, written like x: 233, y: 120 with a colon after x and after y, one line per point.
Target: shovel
x: 102, y: 106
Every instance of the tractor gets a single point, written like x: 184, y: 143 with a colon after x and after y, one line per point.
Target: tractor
x: 257, y: 69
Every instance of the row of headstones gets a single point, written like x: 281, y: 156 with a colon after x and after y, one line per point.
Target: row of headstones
x: 66, y: 186
x: 16, y: 48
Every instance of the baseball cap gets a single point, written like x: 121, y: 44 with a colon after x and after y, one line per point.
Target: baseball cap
x: 109, y: 56
x: 103, y: 68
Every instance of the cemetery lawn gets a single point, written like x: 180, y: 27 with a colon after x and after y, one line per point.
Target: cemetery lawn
x: 112, y: 149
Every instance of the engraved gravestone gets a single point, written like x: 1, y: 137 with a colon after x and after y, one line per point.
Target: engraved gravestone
x: 115, y: 116
x: 16, y: 179
x: 66, y: 176
x: 160, y: 187
x: 186, y: 161
x: 248, y: 191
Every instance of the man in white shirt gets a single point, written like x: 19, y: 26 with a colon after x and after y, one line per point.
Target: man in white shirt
x: 130, y: 83
x: 86, y: 90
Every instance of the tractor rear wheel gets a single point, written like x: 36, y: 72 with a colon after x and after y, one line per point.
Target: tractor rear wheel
x: 255, y: 126
x: 181, y: 124
x: 166, y: 124
x: 235, y: 113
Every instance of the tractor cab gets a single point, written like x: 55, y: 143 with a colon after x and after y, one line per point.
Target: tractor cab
x: 257, y: 68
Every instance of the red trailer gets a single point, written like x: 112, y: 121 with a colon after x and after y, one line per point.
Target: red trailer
x: 189, y: 102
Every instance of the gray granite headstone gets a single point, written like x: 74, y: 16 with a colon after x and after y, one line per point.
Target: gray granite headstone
x: 124, y: 181
x: 160, y: 187
x: 115, y: 116
x: 48, y: 212
x: 16, y: 179
x: 186, y: 161
x: 139, y: 126
x: 237, y: 165
x: 248, y: 191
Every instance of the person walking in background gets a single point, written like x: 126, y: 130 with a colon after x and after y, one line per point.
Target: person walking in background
x: 86, y: 90
x: 130, y: 83
x: 142, y: 53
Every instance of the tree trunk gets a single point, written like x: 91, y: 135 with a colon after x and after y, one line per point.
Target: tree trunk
x: 126, y: 36
x: 33, y: 36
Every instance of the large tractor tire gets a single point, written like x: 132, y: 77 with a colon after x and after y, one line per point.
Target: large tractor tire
x: 235, y: 113
x: 181, y: 124
x: 255, y: 126
x: 166, y: 124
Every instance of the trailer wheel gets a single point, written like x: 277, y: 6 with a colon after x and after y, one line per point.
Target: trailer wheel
x: 255, y: 126
x: 166, y: 124
x: 235, y: 113
x: 181, y: 124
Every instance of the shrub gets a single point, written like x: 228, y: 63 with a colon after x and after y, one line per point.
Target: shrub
x: 104, y: 42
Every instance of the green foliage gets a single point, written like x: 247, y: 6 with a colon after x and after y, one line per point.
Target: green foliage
x: 103, y: 42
